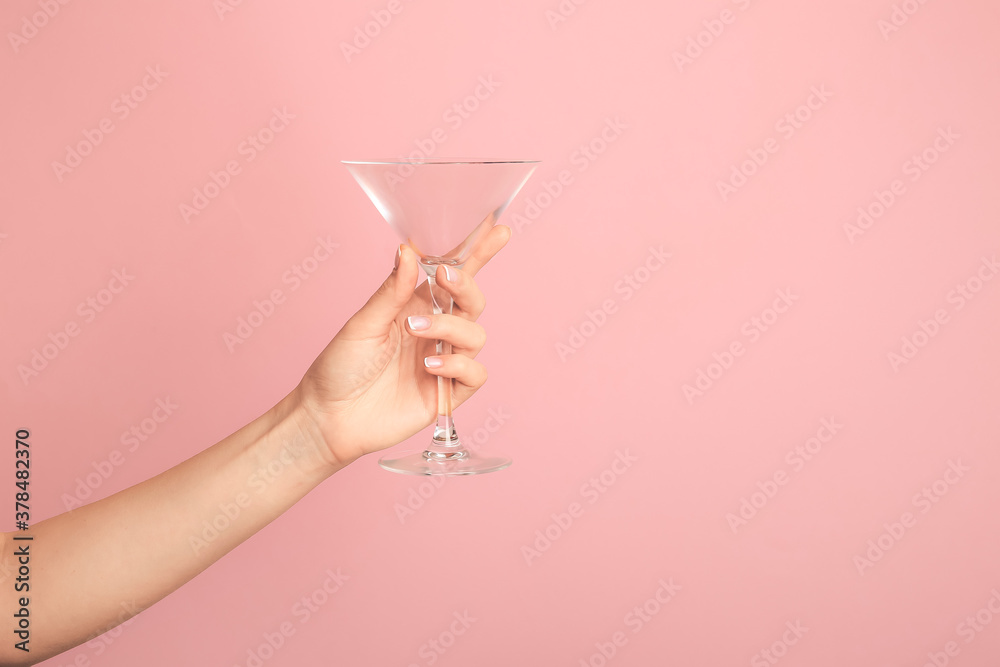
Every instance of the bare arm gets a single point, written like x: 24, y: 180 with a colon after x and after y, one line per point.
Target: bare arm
x: 97, y: 566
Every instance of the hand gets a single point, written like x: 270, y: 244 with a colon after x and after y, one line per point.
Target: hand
x: 370, y: 388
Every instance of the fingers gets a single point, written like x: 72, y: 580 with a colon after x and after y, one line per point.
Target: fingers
x: 464, y: 370
x: 459, y: 283
x: 376, y: 316
x: 492, y: 243
x: 466, y: 337
x: 463, y: 289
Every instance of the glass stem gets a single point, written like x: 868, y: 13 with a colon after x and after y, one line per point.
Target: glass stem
x: 445, y: 445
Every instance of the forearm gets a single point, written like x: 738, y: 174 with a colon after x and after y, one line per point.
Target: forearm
x: 94, y: 567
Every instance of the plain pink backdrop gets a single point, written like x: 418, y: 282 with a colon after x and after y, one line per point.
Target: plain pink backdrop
x: 662, y: 132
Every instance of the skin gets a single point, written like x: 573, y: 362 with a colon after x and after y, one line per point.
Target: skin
x: 99, y: 565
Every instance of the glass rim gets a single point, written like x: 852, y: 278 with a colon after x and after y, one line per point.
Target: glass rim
x: 438, y: 160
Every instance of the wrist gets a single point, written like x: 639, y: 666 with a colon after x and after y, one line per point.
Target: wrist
x: 294, y: 434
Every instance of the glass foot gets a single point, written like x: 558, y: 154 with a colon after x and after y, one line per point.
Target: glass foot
x: 462, y: 462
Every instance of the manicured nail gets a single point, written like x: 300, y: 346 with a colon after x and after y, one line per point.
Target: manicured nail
x: 399, y: 251
x: 433, y: 362
x: 418, y: 323
x: 448, y: 275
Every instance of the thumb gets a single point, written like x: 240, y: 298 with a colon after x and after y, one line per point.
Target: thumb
x: 383, y: 307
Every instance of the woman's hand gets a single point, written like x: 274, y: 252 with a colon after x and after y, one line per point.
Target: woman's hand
x: 368, y: 390
x: 375, y: 384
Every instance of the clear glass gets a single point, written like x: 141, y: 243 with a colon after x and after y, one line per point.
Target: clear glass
x: 441, y: 207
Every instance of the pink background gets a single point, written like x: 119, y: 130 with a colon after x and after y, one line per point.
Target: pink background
x: 678, y: 129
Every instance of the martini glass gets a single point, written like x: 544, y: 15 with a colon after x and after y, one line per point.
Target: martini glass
x: 442, y: 207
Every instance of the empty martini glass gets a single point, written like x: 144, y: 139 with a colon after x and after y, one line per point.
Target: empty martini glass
x: 442, y: 207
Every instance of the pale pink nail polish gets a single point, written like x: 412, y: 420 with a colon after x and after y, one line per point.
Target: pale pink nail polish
x: 433, y: 362
x: 418, y: 323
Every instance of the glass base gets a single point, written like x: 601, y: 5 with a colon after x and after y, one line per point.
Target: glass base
x: 462, y: 462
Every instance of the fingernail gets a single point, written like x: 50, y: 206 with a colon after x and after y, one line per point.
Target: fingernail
x: 448, y: 275
x: 399, y: 251
x: 418, y: 323
x: 433, y: 362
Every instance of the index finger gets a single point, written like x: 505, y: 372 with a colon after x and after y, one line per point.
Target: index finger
x: 491, y: 244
